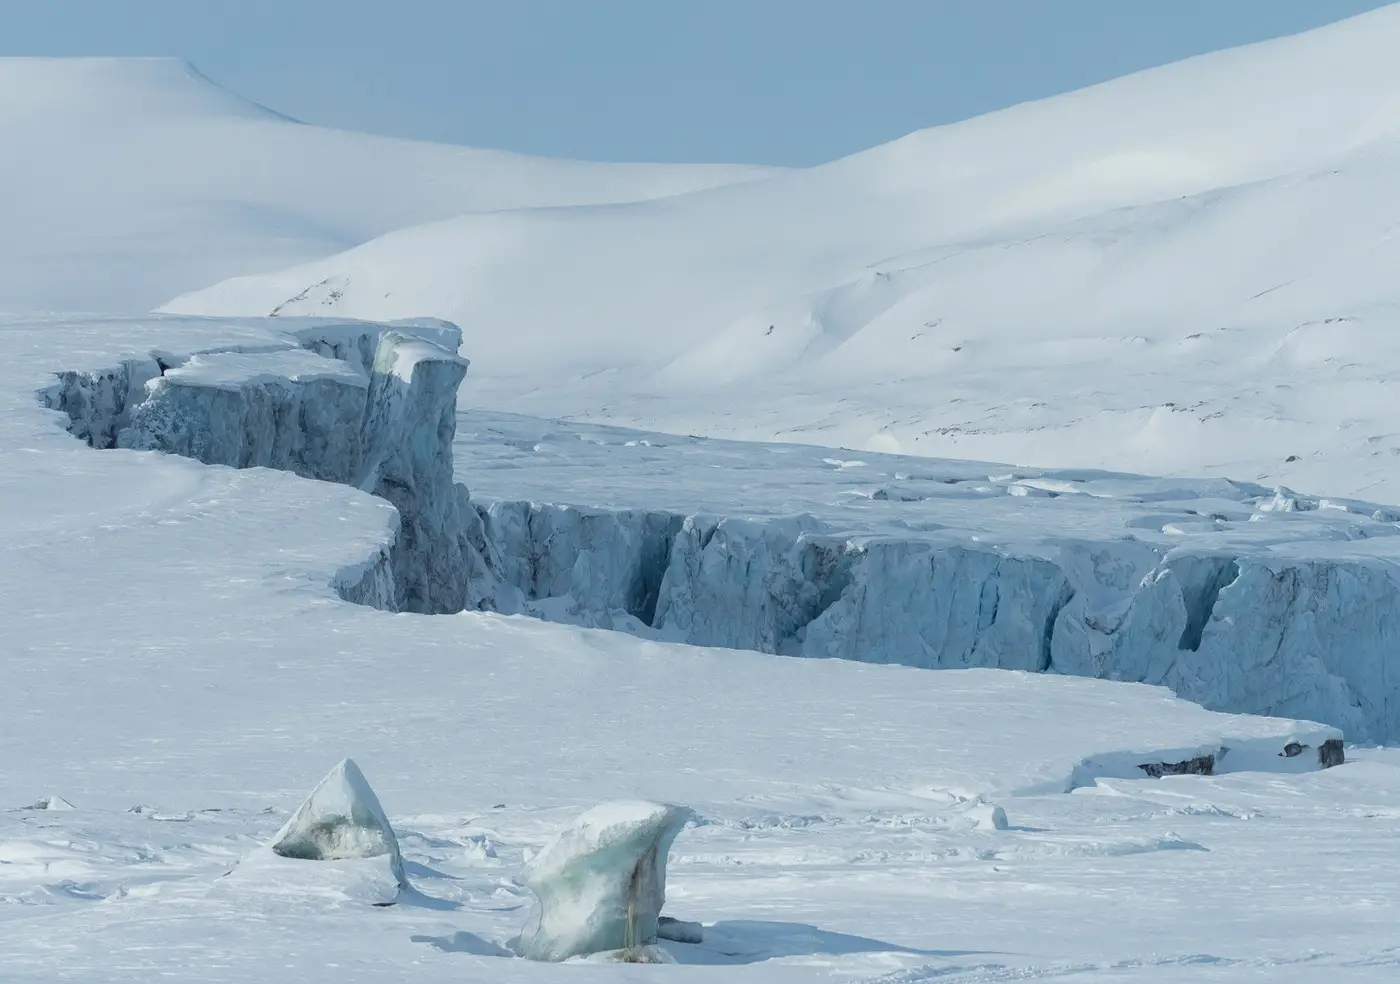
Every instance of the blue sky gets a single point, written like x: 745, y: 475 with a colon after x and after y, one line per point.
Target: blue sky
x: 771, y: 81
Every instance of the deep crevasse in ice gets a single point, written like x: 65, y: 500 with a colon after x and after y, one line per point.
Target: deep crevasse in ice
x: 1247, y: 631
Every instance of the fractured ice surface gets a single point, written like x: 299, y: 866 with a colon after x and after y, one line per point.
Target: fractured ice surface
x: 679, y: 930
x: 1210, y: 587
x: 356, y: 404
x: 601, y: 881
x: 940, y: 564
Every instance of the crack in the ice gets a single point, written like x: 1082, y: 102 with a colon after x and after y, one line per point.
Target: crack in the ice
x: 788, y: 586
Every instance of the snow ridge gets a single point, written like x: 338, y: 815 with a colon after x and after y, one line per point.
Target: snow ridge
x: 1258, y: 632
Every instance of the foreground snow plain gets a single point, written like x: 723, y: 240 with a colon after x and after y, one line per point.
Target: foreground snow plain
x: 176, y: 640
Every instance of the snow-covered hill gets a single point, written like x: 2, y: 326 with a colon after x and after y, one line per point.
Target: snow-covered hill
x: 1189, y: 270
x: 129, y: 180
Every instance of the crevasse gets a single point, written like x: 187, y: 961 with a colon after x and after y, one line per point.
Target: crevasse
x: 375, y: 408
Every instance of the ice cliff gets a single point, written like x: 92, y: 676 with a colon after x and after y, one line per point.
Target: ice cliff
x: 1302, y: 627
x: 1260, y: 633
x: 354, y: 404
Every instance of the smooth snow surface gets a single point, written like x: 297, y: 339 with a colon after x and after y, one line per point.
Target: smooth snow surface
x: 129, y: 180
x: 601, y: 881
x: 180, y: 655
x: 1187, y: 271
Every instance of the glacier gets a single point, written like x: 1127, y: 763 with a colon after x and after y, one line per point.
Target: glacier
x: 1235, y: 596
x: 177, y: 637
x: 340, y: 820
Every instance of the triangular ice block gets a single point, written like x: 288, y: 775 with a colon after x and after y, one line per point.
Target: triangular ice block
x: 341, y: 820
x: 338, y: 847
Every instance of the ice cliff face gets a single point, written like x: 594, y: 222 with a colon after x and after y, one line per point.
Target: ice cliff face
x: 1309, y: 638
x: 1298, y: 633
x: 379, y: 414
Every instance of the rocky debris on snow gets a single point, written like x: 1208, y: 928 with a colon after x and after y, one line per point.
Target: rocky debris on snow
x: 1331, y: 753
x: 1201, y: 765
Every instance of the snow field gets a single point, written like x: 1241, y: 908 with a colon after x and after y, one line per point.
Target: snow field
x: 841, y: 805
x: 197, y: 184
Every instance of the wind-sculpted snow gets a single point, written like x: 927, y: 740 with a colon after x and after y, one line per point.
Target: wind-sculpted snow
x: 1235, y: 596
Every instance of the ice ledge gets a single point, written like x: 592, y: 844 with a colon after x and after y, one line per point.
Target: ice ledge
x: 1254, y: 631
x: 357, y: 404
x: 374, y: 407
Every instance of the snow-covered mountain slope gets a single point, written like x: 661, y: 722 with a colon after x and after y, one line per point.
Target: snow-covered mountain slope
x: 1185, y: 271
x: 129, y: 180
x: 181, y: 663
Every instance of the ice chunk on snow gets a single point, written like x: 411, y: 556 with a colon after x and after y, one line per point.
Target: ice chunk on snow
x: 340, y: 820
x: 988, y: 816
x: 52, y: 803
x: 341, y: 824
x: 601, y: 881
